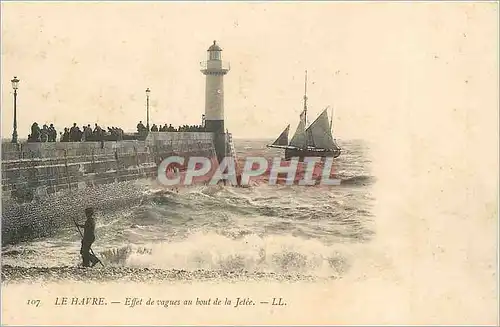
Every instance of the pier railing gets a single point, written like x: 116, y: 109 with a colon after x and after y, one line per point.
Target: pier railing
x: 215, y: 66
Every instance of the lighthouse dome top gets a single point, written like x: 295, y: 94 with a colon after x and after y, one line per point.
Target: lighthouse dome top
x: 214, y: 47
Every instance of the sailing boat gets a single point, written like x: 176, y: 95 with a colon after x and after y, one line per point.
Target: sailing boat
x: 314, y: 141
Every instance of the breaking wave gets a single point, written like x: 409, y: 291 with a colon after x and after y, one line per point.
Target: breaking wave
x: 277, y: 254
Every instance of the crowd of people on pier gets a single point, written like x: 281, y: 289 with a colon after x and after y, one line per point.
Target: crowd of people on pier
x: 74, y: 133
x: 44, y: 134
x: 48, y: 133
x: 169, y: 128
x: 87, y: 133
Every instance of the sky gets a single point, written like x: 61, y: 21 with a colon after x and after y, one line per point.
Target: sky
x: 376, y: 64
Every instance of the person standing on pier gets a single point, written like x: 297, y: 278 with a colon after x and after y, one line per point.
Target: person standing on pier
x: 88, y: 239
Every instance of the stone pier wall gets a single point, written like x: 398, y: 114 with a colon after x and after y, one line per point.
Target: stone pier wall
x: 45, y: 183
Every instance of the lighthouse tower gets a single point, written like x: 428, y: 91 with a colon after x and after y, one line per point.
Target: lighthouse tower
x: 214, y: 69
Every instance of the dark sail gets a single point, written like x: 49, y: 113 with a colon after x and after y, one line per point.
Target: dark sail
x: 283, y: 138
x: 319, y: 134
x: 299, y: 138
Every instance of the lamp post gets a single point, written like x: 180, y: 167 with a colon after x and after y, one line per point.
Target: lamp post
x: 15, y: 85
x: 147, y: 107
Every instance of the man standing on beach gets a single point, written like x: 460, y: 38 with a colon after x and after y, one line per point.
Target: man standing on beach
x: 88, y: 239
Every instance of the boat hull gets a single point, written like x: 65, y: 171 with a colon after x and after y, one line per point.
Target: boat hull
x: 302, y: 153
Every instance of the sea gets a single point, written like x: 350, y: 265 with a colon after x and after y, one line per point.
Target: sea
x: 307, y: 230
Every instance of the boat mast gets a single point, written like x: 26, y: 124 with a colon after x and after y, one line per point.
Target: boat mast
x: 305, y: 100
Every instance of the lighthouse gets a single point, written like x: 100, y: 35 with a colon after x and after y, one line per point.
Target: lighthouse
x: 214, y: 70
